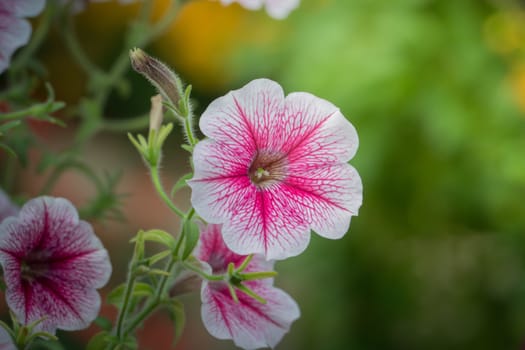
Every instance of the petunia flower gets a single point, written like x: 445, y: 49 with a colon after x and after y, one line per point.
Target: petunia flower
x: 7, y: 208
x: 273, y: 168
x: 278, y: 9
x: 250, y: 323
x: 53, y: 263
x: 15, y: 30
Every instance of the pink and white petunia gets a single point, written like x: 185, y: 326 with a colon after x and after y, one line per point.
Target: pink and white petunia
x: 7, y: 208
x: 248, y: 322
x: 273, y: 168
x: 15, y: 30
x: 278, y: 9
x: 53, y: 263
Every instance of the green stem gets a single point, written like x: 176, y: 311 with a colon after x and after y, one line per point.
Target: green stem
x: 187, y: 217
x: 202, y: 273
x: 131, y: 124
x: 153, y: 303
x: 127, y: 297
x: 155, y: 178
x: 76, y: 50
x: 188, y: 127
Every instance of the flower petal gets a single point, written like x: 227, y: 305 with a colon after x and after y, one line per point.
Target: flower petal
x: 327, y: 196
x: 250, y: 323
x: 212, y: 250
x: 15, y: 31
x: 245, y: 119
x: 248, y: 4
x: 280, y: 9
x: 6, y: 207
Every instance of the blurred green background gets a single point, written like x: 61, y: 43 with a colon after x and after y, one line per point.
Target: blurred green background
x: 436, y: 90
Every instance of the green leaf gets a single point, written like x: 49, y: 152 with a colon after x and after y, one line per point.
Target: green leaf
x: 140, y: 290
x: 103, y: 323
x: 8, y: 149
x: 177, y: 315
x: 191, y: 237
x: 181, y: 182
x: 98, y: 341
x: 9, y: 125
x: 161, y: 237
x: 159, y: 256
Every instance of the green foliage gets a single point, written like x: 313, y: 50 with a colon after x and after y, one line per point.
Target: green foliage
x: 435, y: 258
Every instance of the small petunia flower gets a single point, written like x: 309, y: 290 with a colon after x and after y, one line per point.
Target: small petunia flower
x: 15, y: 30
x: 278, y: 9
x: 53, y: 263
x: 7, y: 208
x: 273, y: 168
x: 250, y: 323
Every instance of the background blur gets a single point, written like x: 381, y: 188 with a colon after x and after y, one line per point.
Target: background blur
x: 436, y: 90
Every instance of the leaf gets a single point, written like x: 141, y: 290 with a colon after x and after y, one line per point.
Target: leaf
x: 8, y: 149
x: 177, y: 315
x: 181, y: 182
x: 159, y: 256
x: 9, y: 125
x: 140, y: 290
x: 191, y: 237
x: 103, y: 323
x: 161, y: 237
x: 99, y: 341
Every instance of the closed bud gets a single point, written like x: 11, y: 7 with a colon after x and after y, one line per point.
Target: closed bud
x: 163, y: 78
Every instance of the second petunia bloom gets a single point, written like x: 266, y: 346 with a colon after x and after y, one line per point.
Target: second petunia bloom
x: 53, y: 263
x: 273, y: 168
x: 250, y: 323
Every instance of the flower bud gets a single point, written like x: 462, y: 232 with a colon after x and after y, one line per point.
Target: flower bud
x: 163, y: 78
x: 155, y: 114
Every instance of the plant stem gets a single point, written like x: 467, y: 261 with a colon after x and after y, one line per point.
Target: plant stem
x: 155, y: 178
x: 155, y: 301
x: 130, y: 124
x: 202, y: 273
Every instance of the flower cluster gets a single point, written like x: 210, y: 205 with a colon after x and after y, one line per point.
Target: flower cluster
x: 271, y: 170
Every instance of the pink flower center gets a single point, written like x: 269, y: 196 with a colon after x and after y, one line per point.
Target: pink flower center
x: 267, y: 168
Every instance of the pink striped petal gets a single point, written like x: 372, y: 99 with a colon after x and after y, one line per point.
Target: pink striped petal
x: 7, y: 208
x: 53, y: 263
x: 212, y: 250
x: 250, y: 323
x: 274, y: 168
x: 14, y: 29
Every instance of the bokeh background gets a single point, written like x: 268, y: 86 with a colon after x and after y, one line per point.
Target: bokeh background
x: 436, y: 90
